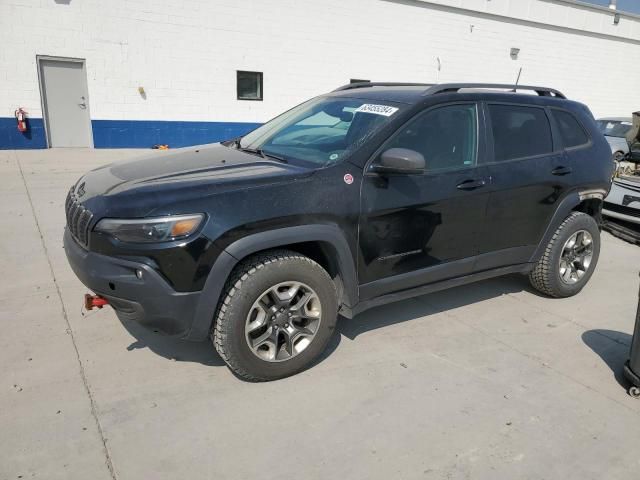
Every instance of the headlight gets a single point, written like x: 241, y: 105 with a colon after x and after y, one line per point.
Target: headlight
x: 145, y: 230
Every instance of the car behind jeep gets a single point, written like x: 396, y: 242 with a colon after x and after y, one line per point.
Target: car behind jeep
x: 370, y: 194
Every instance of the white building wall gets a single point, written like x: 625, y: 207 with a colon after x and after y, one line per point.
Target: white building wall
x: 185, y: 53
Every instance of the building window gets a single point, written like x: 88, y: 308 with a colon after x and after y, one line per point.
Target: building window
x: 249, y: 85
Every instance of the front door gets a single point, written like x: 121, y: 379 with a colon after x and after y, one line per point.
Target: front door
x: 65, y: 99
x: 421, y: 228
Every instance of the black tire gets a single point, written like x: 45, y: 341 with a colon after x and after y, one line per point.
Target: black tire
x: 249, y: 280
x: 545, y: 277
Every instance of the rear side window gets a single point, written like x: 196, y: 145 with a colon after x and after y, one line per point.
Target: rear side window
x: 572, y: 133
x: 519, y: 132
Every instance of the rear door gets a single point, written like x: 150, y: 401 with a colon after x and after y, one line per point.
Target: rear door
x: 529, y: 174
x: 421, y: 228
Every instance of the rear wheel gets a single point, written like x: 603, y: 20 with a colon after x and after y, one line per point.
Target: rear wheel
x: 276, y: 316
x: 570, y: 257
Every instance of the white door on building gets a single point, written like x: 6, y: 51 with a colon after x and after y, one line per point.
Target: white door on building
x: 65, y: 100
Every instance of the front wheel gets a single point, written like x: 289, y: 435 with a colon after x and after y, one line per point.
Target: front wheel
x: 569, y: 259
x: 276, y: 315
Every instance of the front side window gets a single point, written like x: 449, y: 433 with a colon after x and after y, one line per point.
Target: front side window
x: 519, y: 132
x: 322, y: 131
x: 572, y: 134
x: 445, y: 136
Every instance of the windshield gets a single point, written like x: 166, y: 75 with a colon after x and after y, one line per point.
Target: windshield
x: 322, y: 131
x: 614, y: 128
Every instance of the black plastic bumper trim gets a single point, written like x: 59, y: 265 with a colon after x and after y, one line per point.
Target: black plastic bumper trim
x: 148, y: 300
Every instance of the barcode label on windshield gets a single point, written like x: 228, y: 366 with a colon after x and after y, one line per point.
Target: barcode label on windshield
x: 377, y: 109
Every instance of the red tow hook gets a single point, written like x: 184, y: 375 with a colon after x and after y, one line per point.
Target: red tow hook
x: 94, y: 301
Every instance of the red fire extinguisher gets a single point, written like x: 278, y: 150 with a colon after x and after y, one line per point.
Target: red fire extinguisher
x: 21, y: 118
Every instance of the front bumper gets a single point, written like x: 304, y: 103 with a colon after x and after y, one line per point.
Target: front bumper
x: 148, y: 300
x: 621, y: 214
x: 623, y: 201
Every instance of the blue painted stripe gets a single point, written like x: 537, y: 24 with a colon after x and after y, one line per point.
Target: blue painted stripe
x: 129, y: 133
x: 146, y: 133
x: 11, y: 138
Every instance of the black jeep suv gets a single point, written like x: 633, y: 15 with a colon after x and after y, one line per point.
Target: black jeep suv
x: 369, y: 194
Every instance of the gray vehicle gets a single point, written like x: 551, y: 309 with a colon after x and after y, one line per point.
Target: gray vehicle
x: 615, y: 130
x: 621, y: 208
x: 623, y: 201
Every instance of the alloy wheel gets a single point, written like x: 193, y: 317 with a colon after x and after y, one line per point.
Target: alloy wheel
x: 576, y: 256
x: 283, y: 321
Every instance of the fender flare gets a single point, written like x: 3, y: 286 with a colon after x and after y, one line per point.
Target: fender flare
x: 325, y: 233
x: 567, y: 204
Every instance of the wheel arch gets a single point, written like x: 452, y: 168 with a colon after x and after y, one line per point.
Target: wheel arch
x: 592, y: 207
x: 325, y: 244
x: 586, y: 201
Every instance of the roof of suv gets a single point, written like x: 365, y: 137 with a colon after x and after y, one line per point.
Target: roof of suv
x: 413, y: 92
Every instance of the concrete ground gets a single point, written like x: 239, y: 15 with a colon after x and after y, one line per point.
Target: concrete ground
x: 487, y: 381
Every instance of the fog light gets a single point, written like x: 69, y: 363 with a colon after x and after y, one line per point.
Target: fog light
x: 139, y: 273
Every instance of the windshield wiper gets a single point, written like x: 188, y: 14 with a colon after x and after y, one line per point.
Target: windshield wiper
x: 262, y: 153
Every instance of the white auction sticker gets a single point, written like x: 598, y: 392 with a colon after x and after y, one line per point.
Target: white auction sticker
x: 377, y: 109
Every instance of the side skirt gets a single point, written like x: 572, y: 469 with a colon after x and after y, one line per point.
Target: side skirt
x: 523, y: 268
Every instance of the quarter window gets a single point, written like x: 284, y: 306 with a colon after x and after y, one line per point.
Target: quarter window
x: 519, y: 132
x: 573, y: 135
x: 445, y: 136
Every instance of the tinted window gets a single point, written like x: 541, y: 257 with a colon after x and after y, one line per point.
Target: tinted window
x: 519, y: 132
x: 570, y: 130
x: 446, y: 137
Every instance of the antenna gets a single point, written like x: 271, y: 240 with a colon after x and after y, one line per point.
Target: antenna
x: 515, y: 87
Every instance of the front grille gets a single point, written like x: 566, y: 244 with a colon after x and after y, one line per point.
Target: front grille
x: 614, y: 207
x: 78, y: 218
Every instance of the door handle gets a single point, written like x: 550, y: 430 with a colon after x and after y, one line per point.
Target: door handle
x: 471, y: 184
x: 561, y: 171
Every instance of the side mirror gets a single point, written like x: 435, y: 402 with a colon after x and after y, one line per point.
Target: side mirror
x: 399, y: 161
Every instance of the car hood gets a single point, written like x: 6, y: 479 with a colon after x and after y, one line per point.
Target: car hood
x: 135, y: 187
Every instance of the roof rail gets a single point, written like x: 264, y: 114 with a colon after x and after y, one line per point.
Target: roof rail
x: 351, y: 86
x: 454, y: 87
